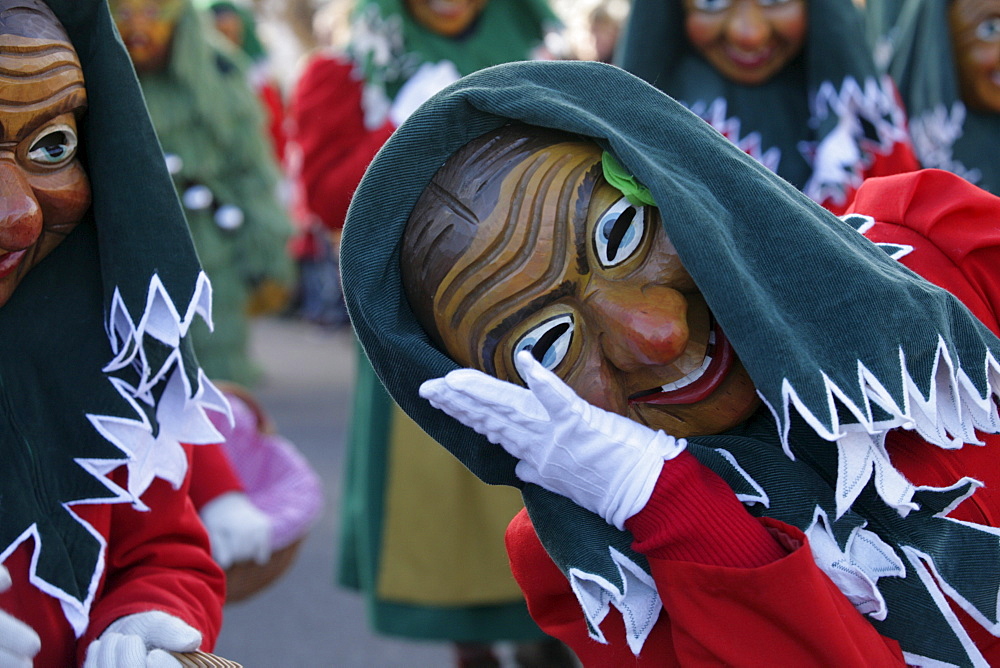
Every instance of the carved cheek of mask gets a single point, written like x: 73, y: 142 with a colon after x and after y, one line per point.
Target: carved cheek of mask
x: 44, y: 190
x: 445, y: 17
x: 975, y: 30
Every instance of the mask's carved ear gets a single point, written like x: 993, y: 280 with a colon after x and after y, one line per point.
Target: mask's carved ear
x: 461, y: 194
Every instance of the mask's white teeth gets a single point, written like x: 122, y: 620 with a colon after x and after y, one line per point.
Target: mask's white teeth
x: 691, y: 377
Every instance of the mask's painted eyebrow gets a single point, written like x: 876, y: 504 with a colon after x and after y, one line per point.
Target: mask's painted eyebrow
x: 493, y: 337
x: 585, y: 195
x: 497, y: 334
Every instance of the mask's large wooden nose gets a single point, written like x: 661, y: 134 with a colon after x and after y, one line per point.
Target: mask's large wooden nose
x: 20, y: 213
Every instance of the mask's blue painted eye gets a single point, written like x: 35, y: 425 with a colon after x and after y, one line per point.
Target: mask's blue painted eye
x: 619, y: 233
x: 54, y: 146
x: 548, y: 341
x: 989, y: 30
x: 711, y: 5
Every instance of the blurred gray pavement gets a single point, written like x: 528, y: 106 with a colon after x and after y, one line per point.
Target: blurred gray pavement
x: 304, y: 619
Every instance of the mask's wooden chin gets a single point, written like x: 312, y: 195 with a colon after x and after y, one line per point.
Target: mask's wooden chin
x: 731, y: 404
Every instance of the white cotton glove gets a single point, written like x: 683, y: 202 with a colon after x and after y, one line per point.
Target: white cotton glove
x: 237, y: 529
x: 425, y: 82
x: 604, y: 462
x: 142, y: 640
x: 18, y: 642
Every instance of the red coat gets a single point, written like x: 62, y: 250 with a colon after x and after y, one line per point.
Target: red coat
x: 329, y: 145
x: 738, y: 591
x: 155, y: 560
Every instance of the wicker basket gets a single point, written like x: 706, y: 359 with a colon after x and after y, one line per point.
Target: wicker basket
x: 246, y: 578
x: 204, y: 660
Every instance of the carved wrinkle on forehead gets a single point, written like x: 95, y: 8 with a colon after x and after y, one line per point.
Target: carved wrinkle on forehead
x: 549, y: 209
x: 39, y: 75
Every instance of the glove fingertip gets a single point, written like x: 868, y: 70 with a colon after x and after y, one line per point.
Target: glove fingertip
x: 430, y: 388
x: 161, y: 659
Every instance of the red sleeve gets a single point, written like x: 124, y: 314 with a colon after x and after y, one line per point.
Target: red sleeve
x: 212, y: 474
x: 786, y: 613
x: 693, y: 515
x: 159, y: 560
x: 274, y: 108
x: 327, y: 126
x: 735, y: 590
x: 554, y: 607
x: 952, y: 227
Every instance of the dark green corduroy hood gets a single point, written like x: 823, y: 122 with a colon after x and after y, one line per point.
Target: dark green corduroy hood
x: 782, y: 276
x: 95, y: 369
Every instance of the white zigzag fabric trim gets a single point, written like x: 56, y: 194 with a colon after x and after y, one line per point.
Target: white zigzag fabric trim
x: 948, y: 417
x: 637, y: 600
x: 180, y: 413
x: 939, y: 590
x: 838, y: 155
x: 160, y: 320
x: 855, y: 569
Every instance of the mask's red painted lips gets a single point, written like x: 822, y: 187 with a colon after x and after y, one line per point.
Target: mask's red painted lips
x: 700, y: 383
x: 750, y: 60
x: 9, y: 262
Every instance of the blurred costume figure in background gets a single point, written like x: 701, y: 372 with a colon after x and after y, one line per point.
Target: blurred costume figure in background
x: 428, y: 570
x: 238, y: 24
x: 258, y: 467
x: 101, y: 396
x: 326, y: 74
x: 606, y: 21
x: 945, y: 57
x: 789, y: 81
x: 210, y: 126
x: 724, y: 460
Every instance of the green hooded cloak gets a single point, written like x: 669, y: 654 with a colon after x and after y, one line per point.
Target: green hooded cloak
x: 764, y: 256
x: 915, y: 39
x: 818, y: 123
x: 97, y: 369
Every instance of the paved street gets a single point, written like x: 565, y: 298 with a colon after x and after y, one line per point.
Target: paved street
x: 305, y: 620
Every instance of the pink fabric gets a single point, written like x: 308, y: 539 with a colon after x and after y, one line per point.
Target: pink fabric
x: 277, y: 478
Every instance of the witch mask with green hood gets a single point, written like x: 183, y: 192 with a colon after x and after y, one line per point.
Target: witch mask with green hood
x: 96, y: 371
x: 783, y: 278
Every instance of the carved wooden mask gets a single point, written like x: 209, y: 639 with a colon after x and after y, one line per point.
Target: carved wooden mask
x: 747, y: 41
x: 519, y: 243
x: 975, y: 31
x: 147, y: 28
x: 44, y: 190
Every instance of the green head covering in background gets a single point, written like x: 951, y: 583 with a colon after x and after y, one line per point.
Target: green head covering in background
x: 389, y: 46
x: 915, y: 39
x: 818, y: 123
x: 908, y: 354
x: 96, y: 370
x: 249, y: 41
